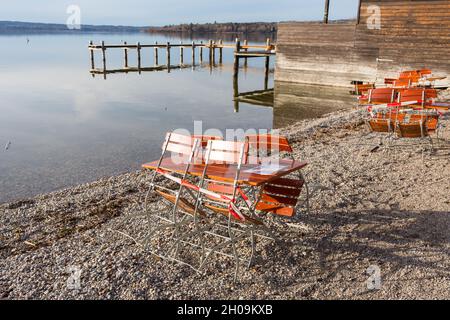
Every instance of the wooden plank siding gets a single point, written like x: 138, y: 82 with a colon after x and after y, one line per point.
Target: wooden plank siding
x: 414, y: 34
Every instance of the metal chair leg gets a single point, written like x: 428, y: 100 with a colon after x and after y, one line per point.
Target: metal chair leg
x: 308, y: 211
x: 233, y: 245
x: 252, y: 239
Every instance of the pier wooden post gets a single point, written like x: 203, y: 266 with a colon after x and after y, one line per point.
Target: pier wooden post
x: 266, y: 73
x: 210, y: 45
x: 236, y: 93
x: 156, y: 54
x: 92, y: 56
x: 104, y: 59
x: 236, y: 57
x: 236, y: 74
x: 268, y: 44
x: 125, y: 55
x: 214, y: 53
x: 181, y: 54
x: 139, y: 56
x: 327, y: 9
x: 221, y: 51
x: 193, y: 54
x: 246, y: 50
x: 201, y: 51
x: 168, y: 56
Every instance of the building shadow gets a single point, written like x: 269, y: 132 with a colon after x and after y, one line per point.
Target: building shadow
x: 294, y: 102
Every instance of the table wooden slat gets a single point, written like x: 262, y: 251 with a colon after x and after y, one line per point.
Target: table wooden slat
x: 226, y: 173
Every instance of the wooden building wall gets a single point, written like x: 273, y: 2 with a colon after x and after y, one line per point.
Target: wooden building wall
x: 414, y: 34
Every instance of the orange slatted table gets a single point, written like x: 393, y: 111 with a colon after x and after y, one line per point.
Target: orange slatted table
x: 227, y: 173
x: 435, y: 78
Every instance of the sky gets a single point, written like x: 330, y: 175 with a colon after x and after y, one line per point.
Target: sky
x: 164, y: 12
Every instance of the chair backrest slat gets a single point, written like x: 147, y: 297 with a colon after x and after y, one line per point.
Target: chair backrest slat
x: 225, y: 151
x: 409, y: 74
x: 179, y: 138
x: 178, y: 148
x: 269, y: 142
x: 178, y: 143
x: 402, y: 83
x: 382, y: 95
x: 184, y: 146
x: 205, y: 138
x: 417, y: 94
x: 228, y: 146
x: 224, y: 156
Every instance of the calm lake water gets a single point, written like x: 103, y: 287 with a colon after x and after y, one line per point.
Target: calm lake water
x: 67, y: 127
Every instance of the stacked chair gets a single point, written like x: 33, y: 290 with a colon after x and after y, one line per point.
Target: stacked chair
x: 407, y: 108
x: 281, y: 196
x: 406, y: 79
x: 211, y: 211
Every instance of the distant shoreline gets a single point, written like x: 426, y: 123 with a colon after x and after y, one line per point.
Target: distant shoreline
x: 16, y: 27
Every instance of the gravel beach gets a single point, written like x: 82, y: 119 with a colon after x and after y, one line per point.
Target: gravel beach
x: 370, y: 210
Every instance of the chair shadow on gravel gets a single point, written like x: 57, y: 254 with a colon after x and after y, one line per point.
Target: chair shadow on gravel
x: 355, y: 240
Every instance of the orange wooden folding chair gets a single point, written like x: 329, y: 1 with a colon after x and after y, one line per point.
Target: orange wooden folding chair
x: 181, y: 152
x: 378, y: 96
x: 402, y: 83
x: 227, y: 200
x: 282, y: 196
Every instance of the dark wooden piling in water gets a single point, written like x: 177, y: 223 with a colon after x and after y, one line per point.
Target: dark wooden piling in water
x: 181, y: 54
x: 266, y: 73
x: 236, y: 93
x: 139, y: 56
x: 168, y: 56
x: 125, y: 55
x: 221, y: 51
x: 104, y: 59
x: 237, y: 49
x: 267, y: 66
x: 92, y: 56
x: 214, y: 53
x: 156, y: 54
x: 201, y: 51
x: 210, y: 45
x: 193, y: 54
x: 246, y: 50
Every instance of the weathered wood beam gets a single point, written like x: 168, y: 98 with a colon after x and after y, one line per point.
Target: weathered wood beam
x: 358, y: 19
x: 327, y: 9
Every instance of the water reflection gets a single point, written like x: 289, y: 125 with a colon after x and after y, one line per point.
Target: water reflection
x: 67, y: 128
x: 294, y: 102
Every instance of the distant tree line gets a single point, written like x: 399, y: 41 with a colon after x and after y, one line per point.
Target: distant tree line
x: 231, y: 27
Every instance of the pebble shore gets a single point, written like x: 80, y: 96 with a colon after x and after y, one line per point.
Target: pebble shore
x: 369, y: 209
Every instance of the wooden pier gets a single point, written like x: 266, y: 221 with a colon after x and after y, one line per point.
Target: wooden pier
x: 262, y: 98
x: 214, y: 48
